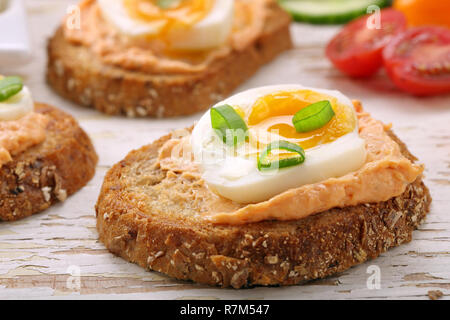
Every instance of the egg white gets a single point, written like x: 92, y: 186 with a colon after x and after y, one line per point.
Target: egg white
x: 237, y: 178
x: 16, y: 106
x: 211, y: 31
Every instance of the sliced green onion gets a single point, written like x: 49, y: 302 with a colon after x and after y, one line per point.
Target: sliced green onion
x: 166, y: 4
x: 266, y: 164
x: 10, y: 86
x: 313, y: 117
x: 228, y: 124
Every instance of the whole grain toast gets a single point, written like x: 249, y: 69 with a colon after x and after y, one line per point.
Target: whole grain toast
x: 263, y: 253
x: 79, y: 75
x: 48, y: 172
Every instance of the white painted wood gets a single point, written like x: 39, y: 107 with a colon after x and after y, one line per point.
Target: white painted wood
x: 36, y: 253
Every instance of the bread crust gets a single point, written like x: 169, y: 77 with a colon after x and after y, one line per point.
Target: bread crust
x: 78, y: 75
x: 48, y: 172
x: 262, y: 253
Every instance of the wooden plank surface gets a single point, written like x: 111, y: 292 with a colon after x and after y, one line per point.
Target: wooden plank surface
x: 42, y: 256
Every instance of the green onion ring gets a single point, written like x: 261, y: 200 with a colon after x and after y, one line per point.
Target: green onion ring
x: 264, y: 164
x: 313, y: 117
x: 166, y: 4
x: 10, y: 86
x: 228, y: 124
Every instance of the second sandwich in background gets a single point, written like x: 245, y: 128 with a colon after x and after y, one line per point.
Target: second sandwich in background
x: 163, y: 58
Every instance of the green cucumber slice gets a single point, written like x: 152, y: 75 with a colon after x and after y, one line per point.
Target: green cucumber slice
x: 328, y: 11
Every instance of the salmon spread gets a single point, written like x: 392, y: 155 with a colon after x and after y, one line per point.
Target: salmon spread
x: 153, y: 54
x: 18, y: 135
x: 385, y: 174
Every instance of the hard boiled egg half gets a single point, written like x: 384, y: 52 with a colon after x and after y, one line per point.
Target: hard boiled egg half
x: 15, y: 99
x: 183, y: 24
x: 232, y: 167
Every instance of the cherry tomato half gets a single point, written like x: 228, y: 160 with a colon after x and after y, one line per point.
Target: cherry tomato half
x: 418, y: 60
x: 357, y: 49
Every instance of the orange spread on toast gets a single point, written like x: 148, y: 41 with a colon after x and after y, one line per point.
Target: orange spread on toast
x: 153, y: 55
x: 19, y: 135
x: 385, y: 174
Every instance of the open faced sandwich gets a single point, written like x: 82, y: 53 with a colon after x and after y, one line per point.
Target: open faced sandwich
x: 44, y: 155
x: 161, y: 58
x: 273, y: 186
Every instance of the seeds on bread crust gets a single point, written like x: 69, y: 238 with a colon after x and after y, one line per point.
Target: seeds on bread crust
x: 48, y: 172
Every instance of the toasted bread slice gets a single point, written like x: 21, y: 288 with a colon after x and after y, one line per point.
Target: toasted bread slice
x: 264, y: 253
x: 48, y: 172
x: 79, y: 75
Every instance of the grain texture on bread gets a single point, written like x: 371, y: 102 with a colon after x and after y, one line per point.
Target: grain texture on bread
x: 48, y: 172
x: 79, y: 75
x: 262, y: 253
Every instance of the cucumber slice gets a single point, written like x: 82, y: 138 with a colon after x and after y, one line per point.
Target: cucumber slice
x: 328, y: 11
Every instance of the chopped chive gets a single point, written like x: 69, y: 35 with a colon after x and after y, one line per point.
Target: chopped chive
x: 228, y: 124
x: 265, y: 164
x: 10, y: 86
x: 166, y: 4
x: 313, y: 117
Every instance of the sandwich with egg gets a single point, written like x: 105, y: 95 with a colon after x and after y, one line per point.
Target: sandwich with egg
x: 44, y: 155
x: 273, y: 186
x: 162, y: 58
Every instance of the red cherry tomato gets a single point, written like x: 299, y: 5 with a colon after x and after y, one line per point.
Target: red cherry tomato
x: 418, y: 60
x: 357, y: 49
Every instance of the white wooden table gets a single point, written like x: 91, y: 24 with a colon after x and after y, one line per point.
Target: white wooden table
x: 41, y: 256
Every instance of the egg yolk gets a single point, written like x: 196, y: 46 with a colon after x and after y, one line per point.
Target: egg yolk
x: 273, y: 113
x: 182, y: 13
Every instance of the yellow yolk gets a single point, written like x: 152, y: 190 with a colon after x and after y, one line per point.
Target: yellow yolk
x: 183, y: 13
x: 273, y: 113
